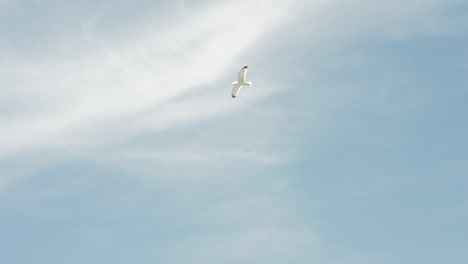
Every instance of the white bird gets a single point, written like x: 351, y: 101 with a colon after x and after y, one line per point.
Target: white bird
x: 237, y: 85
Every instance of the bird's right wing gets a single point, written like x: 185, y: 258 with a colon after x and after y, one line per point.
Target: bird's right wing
x: 241, y: 75
x: 235, y: 90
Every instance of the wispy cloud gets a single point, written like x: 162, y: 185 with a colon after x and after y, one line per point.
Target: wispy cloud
x: 132, y: 78
x: 99, y: 88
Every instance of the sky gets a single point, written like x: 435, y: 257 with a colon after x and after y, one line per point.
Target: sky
x: 120, y: 142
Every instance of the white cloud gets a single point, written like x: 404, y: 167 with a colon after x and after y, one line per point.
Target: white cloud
x: 103, y: 88
x: 50, y: 102
x: 248, y: 225
x: 273, y: 245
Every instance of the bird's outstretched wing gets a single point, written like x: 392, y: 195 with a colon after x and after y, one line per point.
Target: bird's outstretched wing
x: 235, y: 90
x: 241, y: 75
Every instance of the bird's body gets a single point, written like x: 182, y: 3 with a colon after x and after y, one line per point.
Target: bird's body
x: 237, y: 85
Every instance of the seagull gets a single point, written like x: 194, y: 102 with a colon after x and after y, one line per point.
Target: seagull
x: 237, y: 85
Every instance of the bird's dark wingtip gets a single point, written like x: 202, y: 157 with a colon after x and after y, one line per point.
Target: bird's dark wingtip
x: 233, y: 96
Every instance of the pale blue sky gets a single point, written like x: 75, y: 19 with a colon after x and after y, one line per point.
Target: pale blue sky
x: 120, y: 143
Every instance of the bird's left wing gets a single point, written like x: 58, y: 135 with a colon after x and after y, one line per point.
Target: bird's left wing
x: 235, y: 90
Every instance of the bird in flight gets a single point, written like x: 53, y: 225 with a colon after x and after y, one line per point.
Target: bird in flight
x: 237, y: 85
